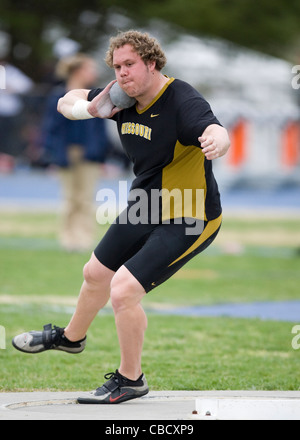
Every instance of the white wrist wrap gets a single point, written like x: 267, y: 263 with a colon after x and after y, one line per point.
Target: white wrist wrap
x: 80, y: 111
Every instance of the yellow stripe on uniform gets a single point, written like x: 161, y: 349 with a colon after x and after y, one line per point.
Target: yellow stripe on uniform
x: 140, y: 112
x: 185, y: 172
x: 211, y: 227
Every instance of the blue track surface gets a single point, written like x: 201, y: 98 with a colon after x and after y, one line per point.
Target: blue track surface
x: 42, y: 188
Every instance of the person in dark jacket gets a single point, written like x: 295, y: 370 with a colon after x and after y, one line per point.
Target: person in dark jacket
x: 76, y: 148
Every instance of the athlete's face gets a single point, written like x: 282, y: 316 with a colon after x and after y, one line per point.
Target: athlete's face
x: 133, y: 75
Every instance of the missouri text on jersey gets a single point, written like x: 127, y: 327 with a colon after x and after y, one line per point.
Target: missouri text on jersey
x: 137, y: 130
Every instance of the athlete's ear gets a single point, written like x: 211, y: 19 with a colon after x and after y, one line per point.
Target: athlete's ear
x: 151, y: 66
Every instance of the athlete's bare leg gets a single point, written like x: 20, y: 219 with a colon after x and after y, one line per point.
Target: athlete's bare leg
x: 93, y: 296
x: 126, y: 294
x: 131, y: 321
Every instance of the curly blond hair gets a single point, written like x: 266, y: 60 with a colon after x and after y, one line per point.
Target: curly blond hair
x: 146, y: 46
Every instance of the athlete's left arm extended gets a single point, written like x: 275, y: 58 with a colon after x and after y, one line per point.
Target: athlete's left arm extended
x: 214, y: 141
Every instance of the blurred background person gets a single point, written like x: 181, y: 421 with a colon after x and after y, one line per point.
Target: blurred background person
x: 16, y: 85
x: 77, y: 148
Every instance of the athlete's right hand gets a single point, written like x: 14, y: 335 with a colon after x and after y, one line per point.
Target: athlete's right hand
x: 101, y: 106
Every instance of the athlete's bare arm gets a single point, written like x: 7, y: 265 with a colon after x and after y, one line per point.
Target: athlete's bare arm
x: 100, y: 107
x: 214, y: 141
x: 66, y: 103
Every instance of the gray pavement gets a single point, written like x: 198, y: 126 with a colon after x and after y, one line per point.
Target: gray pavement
x: 157, y: 405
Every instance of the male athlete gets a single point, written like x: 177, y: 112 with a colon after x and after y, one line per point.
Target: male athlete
x: 171, y: 136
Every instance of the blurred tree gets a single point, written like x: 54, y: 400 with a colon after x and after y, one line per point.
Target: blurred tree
x: 29, y: 24
x: 267, y: 26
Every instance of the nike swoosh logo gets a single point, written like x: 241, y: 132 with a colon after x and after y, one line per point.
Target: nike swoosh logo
x: 154, y: 116
x: 116, y: 398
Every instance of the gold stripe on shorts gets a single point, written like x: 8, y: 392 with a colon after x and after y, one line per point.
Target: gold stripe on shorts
x: 211, y: 227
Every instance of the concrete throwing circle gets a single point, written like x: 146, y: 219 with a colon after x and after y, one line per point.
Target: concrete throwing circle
x: 157, y: 405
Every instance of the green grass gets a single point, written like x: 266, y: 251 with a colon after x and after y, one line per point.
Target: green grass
x: 234, y: 279
x: 209, y: 278
x: 179, y: 353
x: 36, y: 278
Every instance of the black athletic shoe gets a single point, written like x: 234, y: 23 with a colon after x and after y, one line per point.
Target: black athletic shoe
x: 117, y: 389
x: 48, y: 339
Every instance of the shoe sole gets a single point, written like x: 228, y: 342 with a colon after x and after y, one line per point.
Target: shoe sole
x: 108, y: 401
x: 44, y: 349
x: 25, y: 351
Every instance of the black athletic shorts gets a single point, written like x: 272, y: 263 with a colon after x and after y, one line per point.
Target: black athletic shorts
x: 154, y: 252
